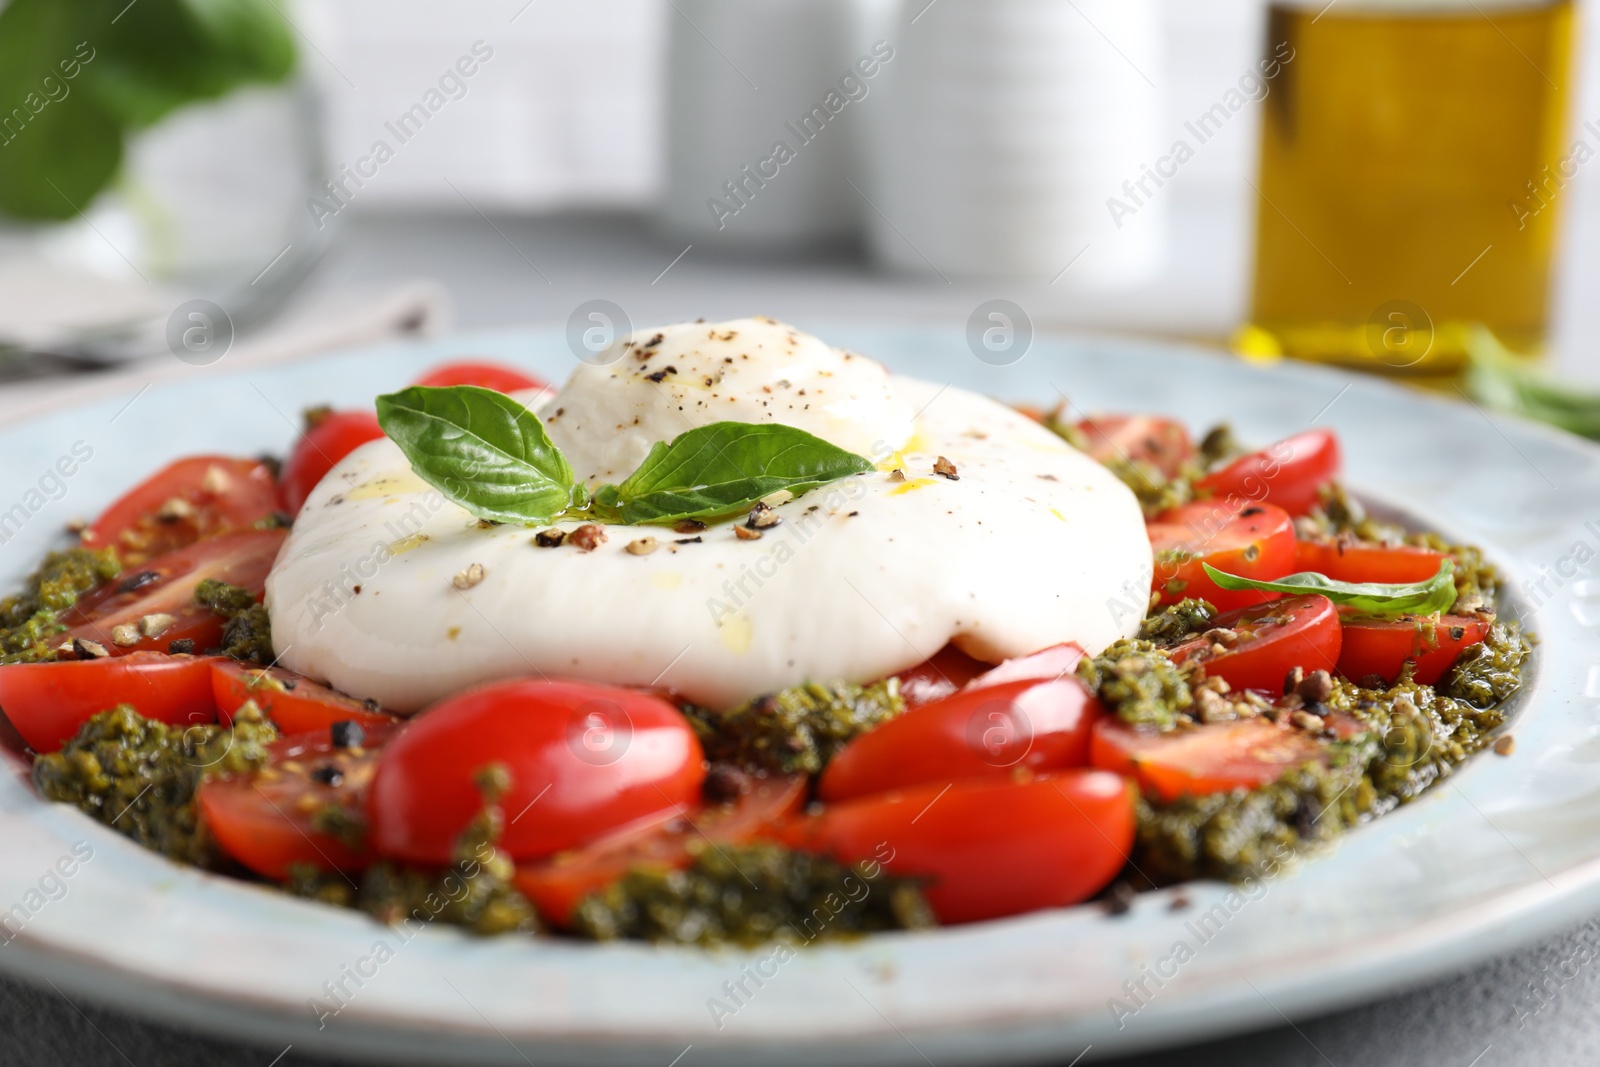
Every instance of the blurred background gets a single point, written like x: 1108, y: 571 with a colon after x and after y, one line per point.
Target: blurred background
x: 1403, y: 187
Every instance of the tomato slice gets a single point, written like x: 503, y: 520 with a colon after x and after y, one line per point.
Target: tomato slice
x: 48, y: 702
x: 265, y: 820
x: 1299, y: 631
x: 193, y: 498
x: 988, y: 847
x: 1289, y: 473
x: 982, y: 730
x: 1367, y: 561
x: 584, y: 759
x: 1162, y: 443
x: 334, y: 437
x: 1381, y: 647
x: 938, y: 676
x: 1250, y: 540
x: 557, y: 885
x: 1047, y: 664
x: 496, y: 376
x: 1212, y: 758
x: 165, y: 586
x: 295, y: 703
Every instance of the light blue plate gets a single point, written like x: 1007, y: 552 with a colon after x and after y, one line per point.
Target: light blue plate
x: 1501, y: 853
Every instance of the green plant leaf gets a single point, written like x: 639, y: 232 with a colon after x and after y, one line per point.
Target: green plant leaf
x: 1500, y: 379
x: 714, y: 471
x: 1437, y: 594
x: 483, y: 451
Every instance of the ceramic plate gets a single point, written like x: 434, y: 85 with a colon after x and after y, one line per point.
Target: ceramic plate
x: 1501, y: 853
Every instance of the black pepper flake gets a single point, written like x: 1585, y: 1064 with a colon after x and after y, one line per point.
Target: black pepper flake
x: 688, y: 540
x: 288, y: 684
x: 1248, y: 512
x: 183, y: 646
x: 347, y: 734
x: 1119, y: 898
x: 661, y: 375
x: 549, y: 538
x: 328, y: 775
x: 370, y: 704
x: 138, y: 581
x: 852, y: 515
x: 1457, y: 632
x: 356, y: 589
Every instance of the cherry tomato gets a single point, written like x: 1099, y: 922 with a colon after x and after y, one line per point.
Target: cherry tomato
x: 47, y: 702
x: 938, y: 676
x: 496, y: 376
x: 584, y: 760
x: 1047, y: 664
x: 1299, y: 631
x: 982, y: 730
x: 265, y: 820
x: 988, y: 847
x: 334, y: 437
x: 1382, y: 646
x: 1250, y: 540
x: 165, y: 586
x: 193, y: 498
x: 1162, y: 443
x: 667, y: 840
x: 295, y: 703
x: 1289, y: 473
x: 1212, y: 758
x: 1367, y: 561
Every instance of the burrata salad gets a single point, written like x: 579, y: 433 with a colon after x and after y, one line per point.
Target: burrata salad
x: 738, y: 637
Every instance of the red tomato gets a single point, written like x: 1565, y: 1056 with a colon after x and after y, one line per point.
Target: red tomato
x: 165, y: 586
x: 1299, y: 631
x: 937, y: 677
x: 1367, y: 561
x: 183, y: 502
x: 989, y: 847
x: 496, y: 376
x: 1382, y: 646
x: 1250, y: 540
x: 319, y: 448
x: 295, y: 703
x: 982, y: 730
x: 584, y: 760
x: 265, y: 820
x: 47, y: 702
x: 556, y: 885
x: 1288, y: 473
x: 1213, y: 758
x: 1047, y: 664
x: 1162, y: 443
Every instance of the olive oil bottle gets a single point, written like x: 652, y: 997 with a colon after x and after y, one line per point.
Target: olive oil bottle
x: 1413, y: 161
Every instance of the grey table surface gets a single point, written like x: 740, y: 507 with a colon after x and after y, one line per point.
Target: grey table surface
x: 1536, y: 1006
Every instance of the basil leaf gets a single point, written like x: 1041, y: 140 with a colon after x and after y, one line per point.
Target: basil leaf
x: 482, y: 450
x: 1437, y: 594
x: 717, y: 470
x: 1504, y: 381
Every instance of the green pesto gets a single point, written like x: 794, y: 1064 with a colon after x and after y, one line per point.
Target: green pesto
x: 474, y: 891
x: 1155, y: 490
x: 1488, y: 673
x: 1177, y: 621
x: 1218, y: 446
x: 247, y: 635
x: 798, y: 729
x: 752, y: 894
x: 28, y: 618
x: 1139, y: 684
x: 139, y: 776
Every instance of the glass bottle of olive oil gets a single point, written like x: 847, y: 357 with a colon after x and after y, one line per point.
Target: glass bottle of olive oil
x: 1413, y: 161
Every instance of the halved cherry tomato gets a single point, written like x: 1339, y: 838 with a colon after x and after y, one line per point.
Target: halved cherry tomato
x: 496, y: 376
x: 938, y: 676
x: 334, y: 437
x: 1212, y: 758
x: 193, y: 498
x: 982, y: 730
x: 165, y: 586
x: 988, y: 847
x: 556, y: 885
x: 1047, y: 664
x: 1382, y: 646
x: 1162, y: 443
x: 295, y: 703
x: 48, y: 702
x: 1250, y: 540
x: 265, y: 820
x: 1367, y: 561
x: 584, y: 760
x: 1298, y: 631
x: 1289, y: 473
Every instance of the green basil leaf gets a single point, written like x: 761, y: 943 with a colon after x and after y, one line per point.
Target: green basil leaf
x: 482, y: 450
x: 1500, y: 379
x: 714, y: 471
x: 1437, y: 594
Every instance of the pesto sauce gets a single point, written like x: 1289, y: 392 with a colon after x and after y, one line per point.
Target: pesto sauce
x: 247, y: 635
x: 28, y: 619
x: 796, y: 730
x: 1139, y: 683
